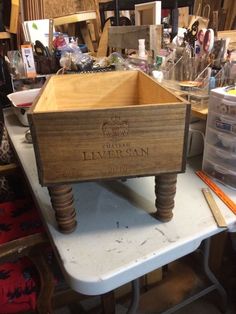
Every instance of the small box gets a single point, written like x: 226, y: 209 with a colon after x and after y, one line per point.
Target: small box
x: 28, y: 59
x: 107, y: 125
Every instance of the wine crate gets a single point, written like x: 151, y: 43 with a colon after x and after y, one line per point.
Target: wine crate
x: 95, y: 126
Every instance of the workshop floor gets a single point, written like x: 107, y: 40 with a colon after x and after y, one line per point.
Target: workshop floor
x: 205, y: 305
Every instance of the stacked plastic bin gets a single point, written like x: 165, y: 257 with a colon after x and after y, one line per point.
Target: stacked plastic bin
x: 219, y: 159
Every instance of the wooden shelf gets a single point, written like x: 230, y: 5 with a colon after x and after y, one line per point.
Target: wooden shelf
x: 75, y: 18
x: 8, y: 169
x: 200, y: 113
x: 80, y: 17
x: 5, y: 35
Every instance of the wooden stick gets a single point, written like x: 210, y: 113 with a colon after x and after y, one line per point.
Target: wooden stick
x: 219, y: 218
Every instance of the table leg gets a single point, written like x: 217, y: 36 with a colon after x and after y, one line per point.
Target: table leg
x: 135, y: 297
x: 165, y: 189
x: 108, y: 303
x: 62, y: 202
x: 215, y: 285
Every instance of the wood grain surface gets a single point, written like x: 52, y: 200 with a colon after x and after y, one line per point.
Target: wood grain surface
x: 107, y: 125
x: 126, y: 37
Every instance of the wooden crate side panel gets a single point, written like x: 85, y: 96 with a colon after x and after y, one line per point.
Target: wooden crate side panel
x: 36, y: 146
x: 109, y: 143
x: 99, y: 90
x: 87, y: 91
x: 45, y: 99
x: 126, y: 37
x: 150, y: 92
x: 186, y: 134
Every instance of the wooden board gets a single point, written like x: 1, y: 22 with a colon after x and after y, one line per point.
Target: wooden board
x: 5, y: 35
x: 183, y: 17
x: 107, y: 125
x: 219, y: 218
x: 86, y: 35
x: 74, y: 18
x: 103, y: 42
x: 231, y: 34
x: 230, y: 6
x: 126, y: 37
x: 227, y: 34
x: 148, y: 13
x: 15, y: 8
x: 199, y: 113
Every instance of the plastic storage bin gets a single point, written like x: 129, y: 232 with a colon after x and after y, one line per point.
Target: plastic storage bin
x: 219, y: 158
x: 222, y: 123
x: 220, y: 173
x: 223, y: 106
x: 222, y: 140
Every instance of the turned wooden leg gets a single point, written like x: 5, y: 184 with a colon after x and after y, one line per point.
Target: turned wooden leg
x: 62, y: 202
x: 165, y: 188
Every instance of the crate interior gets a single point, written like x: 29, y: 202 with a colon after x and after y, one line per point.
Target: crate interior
x: 101, y: 90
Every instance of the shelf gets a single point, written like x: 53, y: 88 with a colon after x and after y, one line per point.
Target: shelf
x: 200, y: 113
x: 5, y: 35
x: 75, y: 18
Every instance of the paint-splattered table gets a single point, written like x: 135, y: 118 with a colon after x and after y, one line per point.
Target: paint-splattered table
x: 117, y: 240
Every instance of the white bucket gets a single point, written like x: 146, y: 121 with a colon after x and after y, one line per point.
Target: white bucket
x: 22, y: 101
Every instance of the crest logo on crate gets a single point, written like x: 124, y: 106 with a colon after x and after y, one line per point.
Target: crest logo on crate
x: 115, y: 128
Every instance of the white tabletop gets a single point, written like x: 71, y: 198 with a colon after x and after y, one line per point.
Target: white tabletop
x: 116, y: 239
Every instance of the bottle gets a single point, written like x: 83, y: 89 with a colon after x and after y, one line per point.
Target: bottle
x: 141, y: 48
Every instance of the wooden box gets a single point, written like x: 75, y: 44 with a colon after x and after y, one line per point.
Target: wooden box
x: 107, y: 125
